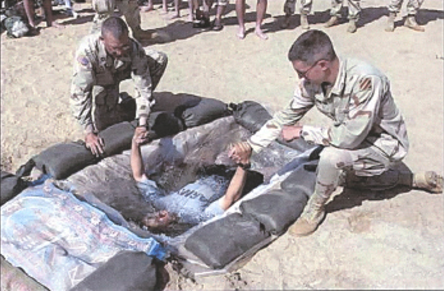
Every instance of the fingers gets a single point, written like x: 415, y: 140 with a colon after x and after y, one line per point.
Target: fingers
x: 140, y: 135
x: 95, y: 144
x: 95, y: 147
x: 240, y: 152
x: 100, y: 145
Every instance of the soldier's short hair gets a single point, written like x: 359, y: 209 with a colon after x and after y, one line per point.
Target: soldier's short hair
x: 312, y: 46
x: 114, y: 26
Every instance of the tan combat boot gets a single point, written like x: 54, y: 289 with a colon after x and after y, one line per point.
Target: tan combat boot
x: 410, y: 22
x: 429, y: 181
x: 352, y: 26
x: 390, y: 27
x: 310, y: 218
x: 332, y: 21
x: 304, y: 22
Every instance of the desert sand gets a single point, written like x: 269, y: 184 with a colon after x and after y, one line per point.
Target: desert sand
x: 368, y: 240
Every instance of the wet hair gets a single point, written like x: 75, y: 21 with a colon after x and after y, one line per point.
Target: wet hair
x: 312, y: 46
x: 114, y: 26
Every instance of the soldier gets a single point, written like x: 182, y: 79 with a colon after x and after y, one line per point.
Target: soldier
x: 354, y: 9
x: 129, y: 8
x: 289, y: 9
x: 102, y: 61
x: 412, y: 8
x: 368, y: 135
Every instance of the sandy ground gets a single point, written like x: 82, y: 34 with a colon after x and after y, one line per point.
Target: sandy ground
x: 368, y: 240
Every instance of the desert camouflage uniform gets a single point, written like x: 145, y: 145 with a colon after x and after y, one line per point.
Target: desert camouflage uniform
x: 354, y: 8
x: 290, y: 7
x: 368, y: 134
x: 105, y: 8
x: 95, y: 84
x: 412, y: 6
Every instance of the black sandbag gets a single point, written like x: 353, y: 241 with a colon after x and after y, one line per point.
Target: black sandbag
x: 250, y: 115
x: 203, y: 111
x: 163, y: 124
x: 117, y: 138
x: 221, y: 241
x: 126, y: 271
x: 63, y: 159
x: 275, y: 210
x: 11, y: 186
x: 302, y: 180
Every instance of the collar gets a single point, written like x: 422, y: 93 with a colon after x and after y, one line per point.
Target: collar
x: 338, y: 87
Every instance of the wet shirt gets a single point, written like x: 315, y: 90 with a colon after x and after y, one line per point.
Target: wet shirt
x: 93, y: 66
x: 190, y: 202
x: 360, y: 106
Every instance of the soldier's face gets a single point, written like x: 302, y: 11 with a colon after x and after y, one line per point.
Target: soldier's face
x: 315, y: 73
x: 117, y: 47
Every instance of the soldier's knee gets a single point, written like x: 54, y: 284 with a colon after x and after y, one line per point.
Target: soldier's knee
x: 334, y: 157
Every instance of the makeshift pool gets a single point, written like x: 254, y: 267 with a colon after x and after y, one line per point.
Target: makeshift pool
x: 250, y: 224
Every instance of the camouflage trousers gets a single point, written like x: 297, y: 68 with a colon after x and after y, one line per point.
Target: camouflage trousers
x: 365, y: 168
x: 105, y: 8
x: 290, y: 6
x: 412, y: 6
x: 111, y: 106
x: 354, y: 8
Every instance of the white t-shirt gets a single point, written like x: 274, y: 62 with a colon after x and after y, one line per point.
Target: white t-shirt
x: 192, y: 202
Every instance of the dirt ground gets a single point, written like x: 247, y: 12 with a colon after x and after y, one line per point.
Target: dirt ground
x: 368, y: 240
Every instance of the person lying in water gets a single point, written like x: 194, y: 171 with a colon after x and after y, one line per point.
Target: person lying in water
x: 215, y: 190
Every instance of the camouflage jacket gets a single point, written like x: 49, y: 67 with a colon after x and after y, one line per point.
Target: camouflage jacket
x: 360, y: 105
x: 93, y: 66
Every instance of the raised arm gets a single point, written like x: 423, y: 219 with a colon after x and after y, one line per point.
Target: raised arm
x: 237, y: 183
x: 140, y: 135
x: 235, y: 188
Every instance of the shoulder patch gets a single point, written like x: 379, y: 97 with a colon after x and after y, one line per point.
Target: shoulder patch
x: 84, y: 62
x: 365, y: 84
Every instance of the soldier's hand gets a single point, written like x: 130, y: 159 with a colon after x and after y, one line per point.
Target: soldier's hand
x: 140, y: 135
x: 291, y: 132
x: 94, y: 143
x: 241, y: 153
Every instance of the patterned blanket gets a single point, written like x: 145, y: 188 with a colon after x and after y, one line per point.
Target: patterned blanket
x: 59, y: 240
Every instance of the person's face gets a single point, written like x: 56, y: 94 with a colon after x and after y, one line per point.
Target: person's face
x: 159, y: 221
x: 315, y: 73
x: 117, y: 47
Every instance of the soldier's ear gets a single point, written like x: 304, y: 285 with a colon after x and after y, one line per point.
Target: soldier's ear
x: 323, y: 64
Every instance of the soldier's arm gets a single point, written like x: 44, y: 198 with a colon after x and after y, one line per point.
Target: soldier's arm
x: 364, y: 105
x: 140, y: 74
x: 82, y: 82
x: 290, y: 115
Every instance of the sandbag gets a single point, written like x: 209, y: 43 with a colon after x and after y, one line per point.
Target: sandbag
x: 275, y: 210
x: 203, y: 111
x: 13, y: 278
x: 117, y: 138
x: 221, y: 241
x: 126, y: 271
x: 250, y: 115
x: 302, y: 180
x: 63, y: 159
x: 253, y: 116
x: 11, y: 185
